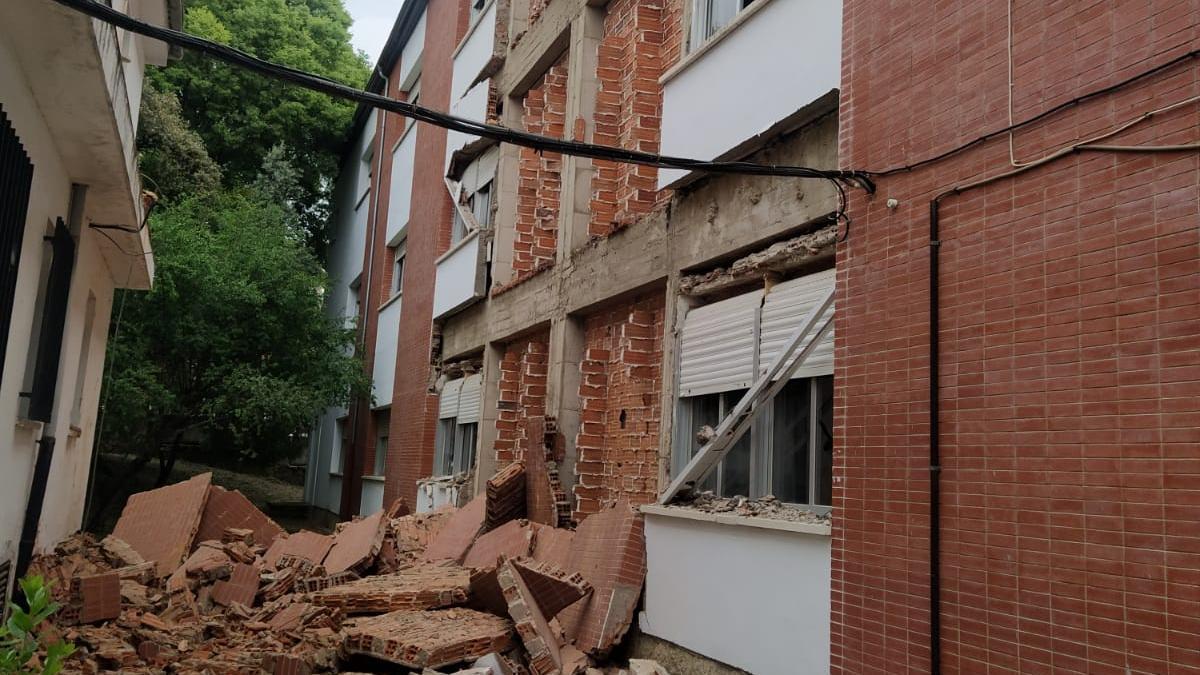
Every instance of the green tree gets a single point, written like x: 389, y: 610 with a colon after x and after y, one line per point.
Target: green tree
x: 232, y: 346
x: 241, y: 116
x: 172, y: 155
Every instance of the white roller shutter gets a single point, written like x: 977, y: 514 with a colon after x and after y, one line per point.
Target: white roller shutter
x: 469, y: 399
x: 448, y: 406
x: 784, y: 309
x: 718, y: 344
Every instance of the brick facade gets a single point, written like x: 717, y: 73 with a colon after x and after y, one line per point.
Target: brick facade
x: 621, y: 378
x: 522, y: 396
x: 536, y: 241
x: 1070, y: 323
x: 628, y: 113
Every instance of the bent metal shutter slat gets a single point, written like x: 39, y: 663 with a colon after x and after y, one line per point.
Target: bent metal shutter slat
x: 784, y: 309
x: 469, y: 399
x: 448, y: 406
x: 717, y: 346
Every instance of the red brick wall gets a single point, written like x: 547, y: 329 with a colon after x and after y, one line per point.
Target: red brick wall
x: 617, y: 445
x: 522, y: 395
x: 628, y: 112
x: 545, y: 107
x: 1070, y: 328
x: 414, y: 408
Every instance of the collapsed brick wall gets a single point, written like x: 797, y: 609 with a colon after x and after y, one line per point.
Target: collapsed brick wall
x: 540, y: 174
x: 628, y: 112
x: 617, y: 444
x: 522, y: 395
x: 1069, y: 336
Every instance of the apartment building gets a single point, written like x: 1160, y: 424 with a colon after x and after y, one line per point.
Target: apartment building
x: 71, y: 214
x: 591, y: 318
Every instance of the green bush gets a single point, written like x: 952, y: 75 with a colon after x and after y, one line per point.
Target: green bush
x: 20, y: 640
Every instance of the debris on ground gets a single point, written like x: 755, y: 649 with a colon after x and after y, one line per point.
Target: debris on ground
x: 195, y: 579
x: 763, y: 507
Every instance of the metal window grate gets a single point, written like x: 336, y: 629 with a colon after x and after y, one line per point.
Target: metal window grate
x: 5, y: 580
x: 16, y: 179
x: 54, y: 322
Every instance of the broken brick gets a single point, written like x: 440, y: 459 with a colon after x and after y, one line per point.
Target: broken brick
x: 552, y: 588
x: 533, y: 627
x: 231, y: 509
x: 422, y: 586
x: 241, y: 587
x: 505, y: 494
x: 304, y: 544
x: 459, y: 532
x: 356, y: 545
x: 510, y: 540
x: 100, y: 597
x: 429, y: 639
x: 161, y: 524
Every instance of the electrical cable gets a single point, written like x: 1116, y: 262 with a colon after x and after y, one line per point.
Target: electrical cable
x: 236, y: 57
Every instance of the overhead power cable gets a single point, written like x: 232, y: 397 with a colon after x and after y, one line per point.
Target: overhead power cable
x: 436, y: 118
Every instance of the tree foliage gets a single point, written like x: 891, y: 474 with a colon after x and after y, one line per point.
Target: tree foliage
x: 172, y: 155
x: 241, y: 116
x: 24, y: 647
x: 232, y: 346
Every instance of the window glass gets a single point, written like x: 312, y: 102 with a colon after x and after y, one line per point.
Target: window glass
x: 380, y: 455
x: 464, y: 451
x: 481, y: 206
x: 710, y: 16
x: 823, y: 391
x: 792, y: 427
x: 399, y: 253
x: 445, y: 447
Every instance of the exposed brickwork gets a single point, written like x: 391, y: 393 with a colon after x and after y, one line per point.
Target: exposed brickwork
x: 617, y: 445
x: 421, y: 586
x: 628, y: 112
x: 505, y: 494
x: 230, y: 509
x: 540, y: 174
x: 429, y: 639
x: 161, y: 524
x: 522, y: 395
x: 674, y: 33
x: 536, y: 7
x: 1069, y: 337
x: 356, y: 545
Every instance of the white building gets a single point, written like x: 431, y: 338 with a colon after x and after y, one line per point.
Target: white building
x: 71, y: 211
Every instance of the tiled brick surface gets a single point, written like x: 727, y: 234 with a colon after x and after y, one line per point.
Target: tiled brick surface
x: 230, y: 509
x: 241, y: 587
x: 459, y: 532
x: 620, y: 384
x: 545, y: 108
x: 552, y: 545
x: 429, y: 639
x: 628, y: 113
x: 303, y: 544
x: 522, y: 395
x: 355, y: 547
x: 505, y: 495
x: 1070, y: 330
x: 541, y: 642
x: 545, y: 502
x: 550, y: 586
x: 420, y: 586
x: 100, y: 597
x: 514, y: 538
x: 609, y: 551
x: 161, y: 524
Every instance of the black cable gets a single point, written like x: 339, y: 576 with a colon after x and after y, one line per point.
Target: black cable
x: 1038, y: 117
x: 501, y: 134
x: 101, y: 229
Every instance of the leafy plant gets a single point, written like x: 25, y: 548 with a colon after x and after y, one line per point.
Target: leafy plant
x: 20, y: 641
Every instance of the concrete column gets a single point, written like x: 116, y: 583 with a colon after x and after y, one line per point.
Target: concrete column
x: 485, y: 457
x: 508, y: 179
x: 587, y: 30
x: 674, y: 309
x: 562, y: 387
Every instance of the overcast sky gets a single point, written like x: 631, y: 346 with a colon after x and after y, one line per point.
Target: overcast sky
x: 373, y: 21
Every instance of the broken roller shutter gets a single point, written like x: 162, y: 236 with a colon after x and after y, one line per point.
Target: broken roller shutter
x: 449, y: 401
x: 469, y: 399
x: 16, y: 179
x: 718, y: 345
x: 784, y: 308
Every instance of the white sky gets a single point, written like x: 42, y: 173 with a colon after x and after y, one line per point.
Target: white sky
x: 373, y: 21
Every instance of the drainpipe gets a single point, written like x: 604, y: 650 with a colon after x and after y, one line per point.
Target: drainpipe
x: 935, y: 460
x: 352, y: 476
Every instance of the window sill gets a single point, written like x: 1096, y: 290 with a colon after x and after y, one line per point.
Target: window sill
x: 375, y: 479
x: 335, y: 474
x: 24, y: 424
x: 819, y: 529
x: 709, y: 44
x: 387, y: 303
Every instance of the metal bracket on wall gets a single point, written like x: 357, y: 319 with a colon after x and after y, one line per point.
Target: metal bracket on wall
x: 762, y: 392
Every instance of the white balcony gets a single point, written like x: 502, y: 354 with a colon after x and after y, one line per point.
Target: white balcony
x: 387, y: 338
x: 461, y: 276
x: 775, y: 58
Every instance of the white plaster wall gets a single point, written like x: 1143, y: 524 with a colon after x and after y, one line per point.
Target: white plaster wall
x: 400, y: 197
x: 783, y: 57
x: 465, y: 100
x: 749, y: 597
x: 455, y: 284
x: 410, y: 56
x: 386, y: 338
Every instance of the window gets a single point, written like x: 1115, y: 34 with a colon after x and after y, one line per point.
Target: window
x: 480, y: 205
x: 85, y: 351
x: 788, y: 451
x: 337, y: 459
x: 458, y: 426
x: 14, y: 194
x: 381, y: 443
x: 477, y: 9
x: 710, y: 16
x: 399, y: 253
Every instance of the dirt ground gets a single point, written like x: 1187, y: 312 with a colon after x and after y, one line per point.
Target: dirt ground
x: 279, y: 498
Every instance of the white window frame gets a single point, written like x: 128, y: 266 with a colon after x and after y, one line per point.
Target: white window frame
x: 701, y: 31
x: 452, y: 455
x: 399, y: 259
x: 481, y: 209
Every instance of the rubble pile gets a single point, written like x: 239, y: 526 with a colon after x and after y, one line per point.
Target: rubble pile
x: 195, y: 579
x: 762, y: 507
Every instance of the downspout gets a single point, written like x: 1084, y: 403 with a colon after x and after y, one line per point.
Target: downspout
x: 352, y: 477
x: 935, y: 459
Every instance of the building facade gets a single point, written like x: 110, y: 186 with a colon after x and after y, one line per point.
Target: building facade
x: 71, y: 215
x: 592, y: 319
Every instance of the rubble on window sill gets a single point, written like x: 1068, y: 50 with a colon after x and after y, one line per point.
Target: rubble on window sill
x: 767, y: 507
